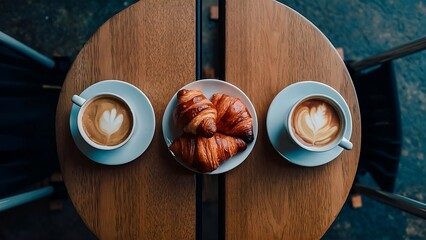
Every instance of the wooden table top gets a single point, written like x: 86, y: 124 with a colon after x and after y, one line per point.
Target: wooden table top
x: 152, y: 45
x: 268, y: 47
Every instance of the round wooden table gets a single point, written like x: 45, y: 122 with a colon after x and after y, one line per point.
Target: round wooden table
x: 152, y: 45
x: 268, y: 47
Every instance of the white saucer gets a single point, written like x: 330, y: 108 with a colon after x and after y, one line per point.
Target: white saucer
x: 210, y: 87
x: 276, y: 123
x: 144, y: 128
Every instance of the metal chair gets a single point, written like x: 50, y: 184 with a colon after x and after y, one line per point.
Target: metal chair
x: 29, y: 89
x: 376, y: 87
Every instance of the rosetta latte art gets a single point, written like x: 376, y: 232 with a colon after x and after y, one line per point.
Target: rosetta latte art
x: 316, y: 123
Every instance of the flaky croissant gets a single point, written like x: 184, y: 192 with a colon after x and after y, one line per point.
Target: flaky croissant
x: 206, y: 154
x: 233, y: 118
x: 194, y: 113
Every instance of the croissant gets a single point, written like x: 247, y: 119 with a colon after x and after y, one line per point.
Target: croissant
x: 206, y: 154
x: 194, y: 113
x: 233, y: 118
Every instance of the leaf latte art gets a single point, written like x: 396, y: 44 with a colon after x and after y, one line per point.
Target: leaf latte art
x: 109, y: 123
x: 316, y: 123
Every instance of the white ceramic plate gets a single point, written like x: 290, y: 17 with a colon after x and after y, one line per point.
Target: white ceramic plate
x: 276, y: 123
x: 144, y: 128
x: 210, y: 87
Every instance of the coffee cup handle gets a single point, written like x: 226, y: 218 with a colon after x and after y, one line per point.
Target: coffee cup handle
x: 346, y: 144
x: 79, y: 101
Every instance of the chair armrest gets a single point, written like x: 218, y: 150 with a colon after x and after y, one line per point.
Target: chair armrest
x: 395, y: 200
x: 390, y: 55
x: 19, y: 199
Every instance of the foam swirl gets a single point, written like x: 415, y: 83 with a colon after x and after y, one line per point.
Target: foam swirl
x: 316, y: 124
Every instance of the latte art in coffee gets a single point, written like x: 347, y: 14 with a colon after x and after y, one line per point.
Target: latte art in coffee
x: 110, y: 122
x: 107, y: 120
x: 316, y: 123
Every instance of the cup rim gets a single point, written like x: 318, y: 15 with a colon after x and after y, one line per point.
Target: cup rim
x: 339, y: 110
x: 83, y: 133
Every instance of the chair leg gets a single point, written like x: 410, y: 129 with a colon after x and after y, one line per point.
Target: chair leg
x: 57, y: 200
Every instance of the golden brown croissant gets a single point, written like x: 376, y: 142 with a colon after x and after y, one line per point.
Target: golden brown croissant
x: 233, y: 118
x: 206, y: 154
x: 194, y: 113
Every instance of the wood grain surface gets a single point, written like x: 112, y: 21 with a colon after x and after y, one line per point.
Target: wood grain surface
x: 152, y: 46
x: 268, y: 47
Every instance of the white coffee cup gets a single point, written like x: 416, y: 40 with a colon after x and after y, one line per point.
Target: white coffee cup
x: 105, y: 121
x: 317, y: 123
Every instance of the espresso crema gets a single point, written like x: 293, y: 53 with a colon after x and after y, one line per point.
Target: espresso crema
x: 316, y: 123
x: 107, y: 120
